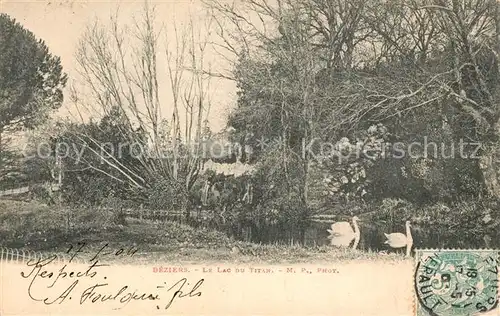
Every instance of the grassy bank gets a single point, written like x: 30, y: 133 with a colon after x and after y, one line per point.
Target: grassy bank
x: 36, y: 227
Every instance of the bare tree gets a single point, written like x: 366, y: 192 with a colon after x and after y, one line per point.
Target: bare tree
x: 119, y: 66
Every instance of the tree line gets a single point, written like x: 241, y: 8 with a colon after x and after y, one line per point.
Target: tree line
x: 353, y: 74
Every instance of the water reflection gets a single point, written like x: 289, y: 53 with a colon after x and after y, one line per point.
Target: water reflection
x: 341, y: 234
x: 372, y: 236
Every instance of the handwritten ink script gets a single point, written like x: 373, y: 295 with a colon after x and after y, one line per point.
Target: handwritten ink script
x: 50, y: 283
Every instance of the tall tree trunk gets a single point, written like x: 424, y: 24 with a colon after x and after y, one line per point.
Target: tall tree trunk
x: 490, y: 170
x: 489, y: 164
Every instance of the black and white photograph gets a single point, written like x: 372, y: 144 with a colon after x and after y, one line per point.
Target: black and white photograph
x: 254, y: 132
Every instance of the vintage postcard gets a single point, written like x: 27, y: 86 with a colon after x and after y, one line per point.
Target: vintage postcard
x: 249, y: 157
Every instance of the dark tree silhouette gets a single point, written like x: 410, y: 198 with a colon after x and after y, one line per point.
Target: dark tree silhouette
x: 31, y: 83
x: 31, y: 79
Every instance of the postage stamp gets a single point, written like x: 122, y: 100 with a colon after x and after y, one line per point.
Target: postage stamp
x: 455, y: 282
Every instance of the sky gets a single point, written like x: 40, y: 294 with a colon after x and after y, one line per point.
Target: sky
x: 61, y: 24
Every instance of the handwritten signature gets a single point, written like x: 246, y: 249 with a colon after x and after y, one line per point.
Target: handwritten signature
x: 39, y: 272
x: 93, y: 294
x: 179, y: 293
x: 101, y: 292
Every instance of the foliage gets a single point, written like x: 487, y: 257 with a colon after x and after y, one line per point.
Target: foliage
x: 92, y: 156
x: 364, y: 81
x: 165, y: 196
x: 355, y: 75
x: 31, y: 83
x: 31, y: 79
x: 254, y: 200
x: 11, y: 167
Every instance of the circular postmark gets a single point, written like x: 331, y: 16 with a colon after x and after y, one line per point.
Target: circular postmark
x: 456, y: 282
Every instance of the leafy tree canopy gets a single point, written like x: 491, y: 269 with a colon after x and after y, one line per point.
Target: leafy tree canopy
x: 31, y: 78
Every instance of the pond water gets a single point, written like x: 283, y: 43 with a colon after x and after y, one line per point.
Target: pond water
x: 372, y: 236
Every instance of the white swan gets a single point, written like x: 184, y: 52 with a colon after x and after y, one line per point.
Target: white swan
x: 399, y: 240
x: 342, y: 234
